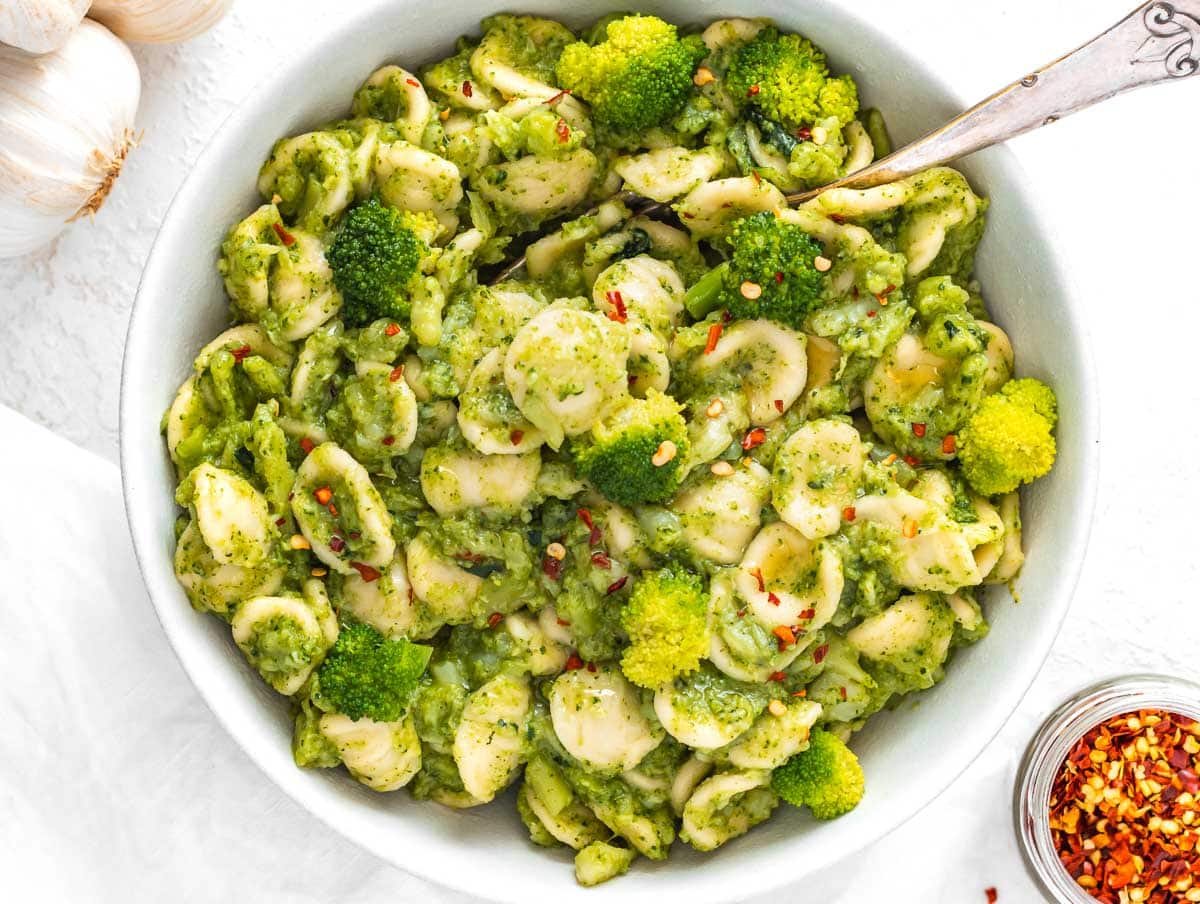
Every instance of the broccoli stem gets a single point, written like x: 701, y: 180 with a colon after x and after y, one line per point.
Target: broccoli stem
x: 701, y: 299
x: 877, y: 132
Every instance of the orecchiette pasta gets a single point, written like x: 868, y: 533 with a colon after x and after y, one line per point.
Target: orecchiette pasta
x: 666, y: 173
x: 488, y: 743
x: 383, y: 756
x: 725, y: 806
x: 232, y: 517
x: 789, y: 580
x: 770, y: 360
x: 598, y: 719
x: 817, y: 474
x: 721, y: 514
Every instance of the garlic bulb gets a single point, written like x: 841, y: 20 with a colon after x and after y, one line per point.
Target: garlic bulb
x: 39, y: 26
x: 66, y: 124
x: 159, y: 21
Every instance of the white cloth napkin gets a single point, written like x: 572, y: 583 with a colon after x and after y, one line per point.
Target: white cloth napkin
x: 117, y: 784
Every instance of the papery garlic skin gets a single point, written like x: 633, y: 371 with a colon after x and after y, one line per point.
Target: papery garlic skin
x: 66, y: 125
x: 39, y: 26
x: 159, y: 21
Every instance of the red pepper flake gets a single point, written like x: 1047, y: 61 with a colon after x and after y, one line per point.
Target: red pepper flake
x: 388, y: 440
x: 413, y: 82
x: 754, y: 439
x: 494, y: 619
x: 800, y: 693
x: 557, y: 97
x: 585, y: 515
x: 912, y: 461
x: 563, y: 131
x: 392, y: 329
x: 591, y: 667
x: 756, y: 177
x: 396, y: 374
x: 807, y: 614
x: 772, y: 599
x: 842, y: 691
x: 776, y: 676
x: 323, y: 495
x: 991, y: 895
x: 600, y: 560
x: 563, y: 622
x: 355, y: 535
x: 778, y: 277
x: 752, y: 90
x: 467, y: 89
x: 617, y: 585
x: 280, y: 522
x: 820, y: 652
x: 837, y: 218
x: 307, y: 444
x: 785, y: 636
x: 366, y: 572
x: 241, y: 353
x: 871, y: 313
x: 779, y: 405
x: 849, y: 513
x: 552, y: 567
x: 336, y: 543
x: 714, y: 336
x: 741, y: 613
x: 619, y: 312
x: 573, y: 663
x: 284, y: 236
x: 757, y: 574
x: 918, y: 430
x: 333, y: 510
x: 516, y: 436
x: 804, y: 133
x: 949, y: 444
x: 467, y: 556
x: 726, y: 316
x: 882, y: 297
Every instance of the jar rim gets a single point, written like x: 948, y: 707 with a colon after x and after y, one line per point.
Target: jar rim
x: 1049, y: 747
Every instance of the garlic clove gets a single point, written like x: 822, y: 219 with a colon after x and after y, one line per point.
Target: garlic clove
x: 159, y: 21
x: 66, y: 125
x: 39, y: 26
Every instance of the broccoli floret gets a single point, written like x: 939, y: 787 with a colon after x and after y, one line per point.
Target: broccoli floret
x: 310, y: 747
x: 1009, y: 441
x: 638, y: 77
x: 787, y: 78
x: 770, y: 273
x: 366, y: 674
x: 627, y: 456
x: 956, y: 258
x: 667, y: 622
x: 600, y: 861
x: 529, y: 44
x: 826, y: 777
x: 374, y: 258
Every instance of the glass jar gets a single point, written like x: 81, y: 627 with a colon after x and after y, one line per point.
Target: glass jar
x: 1049, y: 748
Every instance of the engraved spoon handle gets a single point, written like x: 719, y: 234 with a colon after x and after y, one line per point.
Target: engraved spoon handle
x: 1157, y: 42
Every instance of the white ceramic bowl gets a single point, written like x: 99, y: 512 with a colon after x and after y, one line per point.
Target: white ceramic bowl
x: 909, y: 755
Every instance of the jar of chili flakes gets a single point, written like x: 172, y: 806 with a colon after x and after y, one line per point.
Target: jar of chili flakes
x: 1107, y: 798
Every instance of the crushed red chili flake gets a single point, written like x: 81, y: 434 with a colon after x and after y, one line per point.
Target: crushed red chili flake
x: 838, y: 218
x: 714, y: 336
x: 757, y: 574
x: 563, y: 131
x: 912, y: 461
x: 918, y: 430
x: 779, y: 405
x: 617, y: 584
x: 323, y: 495
x: 284, y: 236
x: 388, y: 440
x: 516, y: 436
x: 336, y: 543
x: 366, y: 572
x: 552, y: 567
x: 804, y: 133
x: 752, y: 90
x: 991, y: 894
x: 355, y: 535
x: 307, y: 445
x: 333, y: 509
x: 808, y: 614
x: 778, y: 276
x: 591, y: 667
x: 600, y: 560
x: 949, y: 444
x: 1124, y: 814
x: 241, y: 353
x: 849, y: 513
x: 563, y: 622
x: 494, y: 619
x: 882, y: 297
x: 392, y: 329
x: 573, y: 662
x: 467, y: 556
x: 741, y: 613
x: 871, y: 313
x: 280, y: 522
x: 557, y: 97
x: 413, y: 82
x: 842, y: 691
x: 776, y: 676
x: 756, y: 177
x: 785, y: 636
x: 467, y: 89
x: 772, y: 599
x: 585, y: 515
x: 820, y: 652
x: 619, y: 312
x: 396, y: 374
x: 754, y: 439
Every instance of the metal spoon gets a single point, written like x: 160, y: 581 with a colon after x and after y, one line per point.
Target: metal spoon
x: 1157, y: 42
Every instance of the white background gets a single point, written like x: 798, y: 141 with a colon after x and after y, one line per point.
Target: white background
x: 117, y: 784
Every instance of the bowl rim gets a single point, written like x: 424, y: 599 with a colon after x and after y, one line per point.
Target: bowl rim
x: 757, y: 881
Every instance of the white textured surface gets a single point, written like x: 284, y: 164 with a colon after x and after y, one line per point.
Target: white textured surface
x: 131, y: 779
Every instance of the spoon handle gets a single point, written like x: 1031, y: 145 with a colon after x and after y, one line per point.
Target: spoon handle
x: 1157, y: 42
